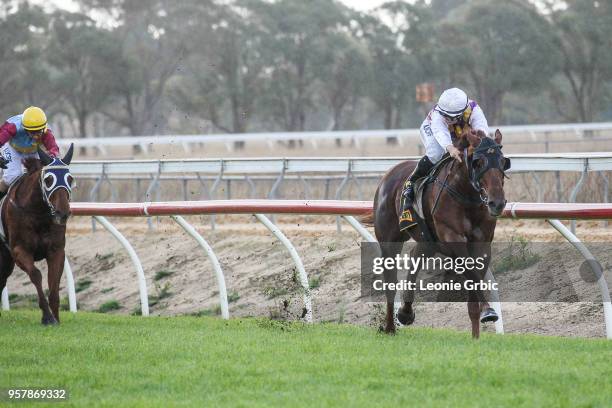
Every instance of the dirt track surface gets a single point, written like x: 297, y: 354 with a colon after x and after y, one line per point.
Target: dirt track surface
x: 261, y: 278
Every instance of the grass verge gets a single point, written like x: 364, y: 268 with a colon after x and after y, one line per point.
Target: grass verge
x: 111, y: 360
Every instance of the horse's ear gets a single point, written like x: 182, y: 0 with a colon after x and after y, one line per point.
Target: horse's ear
x: 45, y: 159
x: 68, y: 156
x: 498, y: 137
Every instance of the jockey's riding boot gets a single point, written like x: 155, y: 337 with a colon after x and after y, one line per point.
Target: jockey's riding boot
x: 422, y: 168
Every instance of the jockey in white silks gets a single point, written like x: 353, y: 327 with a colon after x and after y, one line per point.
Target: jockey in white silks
x: 446, y: 121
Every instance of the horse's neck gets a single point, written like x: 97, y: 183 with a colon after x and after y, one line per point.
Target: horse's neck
x: 29, y: 198
x: 459, y: 180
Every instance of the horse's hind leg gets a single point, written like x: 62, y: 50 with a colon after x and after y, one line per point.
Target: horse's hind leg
x: 390, y: 250
x: 25, y: 261
x: 406, y: 313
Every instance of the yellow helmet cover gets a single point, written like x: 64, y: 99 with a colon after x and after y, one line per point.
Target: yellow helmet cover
x: 34, y: 119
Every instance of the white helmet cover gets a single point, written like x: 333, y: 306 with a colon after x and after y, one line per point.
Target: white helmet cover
x: 452, y: 102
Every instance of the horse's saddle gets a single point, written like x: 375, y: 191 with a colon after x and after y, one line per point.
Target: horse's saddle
x: 413, y: 215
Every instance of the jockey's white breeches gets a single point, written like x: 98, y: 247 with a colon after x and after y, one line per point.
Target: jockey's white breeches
x: 14, y: 166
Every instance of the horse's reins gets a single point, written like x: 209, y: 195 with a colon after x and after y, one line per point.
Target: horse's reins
x: 473, y: 177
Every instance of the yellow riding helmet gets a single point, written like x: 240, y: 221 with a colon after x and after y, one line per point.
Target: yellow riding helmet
x: 34, y: 119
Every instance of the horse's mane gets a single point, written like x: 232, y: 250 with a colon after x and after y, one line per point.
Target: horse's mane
x: 462, y: 141
x: 32, y: 164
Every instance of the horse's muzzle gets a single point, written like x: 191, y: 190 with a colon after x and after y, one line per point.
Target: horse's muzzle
x: 61, y: 218
x: 496, y: 207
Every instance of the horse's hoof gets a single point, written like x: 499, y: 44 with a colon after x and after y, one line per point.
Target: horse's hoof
x: 49, y: 321
x: 405, y: 318
x: 386, y: 330
x: 488, y: 315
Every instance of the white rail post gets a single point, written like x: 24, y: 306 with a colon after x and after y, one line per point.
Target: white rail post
x: 70, y: 286
x: 5, y: 299
x: 603, y: 286
x: 296, y: 259
x: 213, y: 259
x: 365, y: 234
x: 142, y: 282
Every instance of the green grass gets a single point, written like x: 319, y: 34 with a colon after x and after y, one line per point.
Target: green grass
x: 111, y: 360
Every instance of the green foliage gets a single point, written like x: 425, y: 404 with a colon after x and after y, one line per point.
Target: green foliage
x: 213, y: 311
x: 314, y: 282
x: 233, y: 297
x: 82, y: 284
x: 516, y: 256
x: 162, y: 292
x: 116, y: 359
x: 159, y: 275
x: 273, y: 292
x: 109, y: 306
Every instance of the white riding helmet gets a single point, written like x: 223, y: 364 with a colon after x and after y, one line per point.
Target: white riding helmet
x: 452, y: 102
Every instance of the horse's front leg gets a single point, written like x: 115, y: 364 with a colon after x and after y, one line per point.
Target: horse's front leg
x: 474, y: 312
x: 25, y: 261
x: 6, y: 266
x: 55, y: 265
x: 482, y: 251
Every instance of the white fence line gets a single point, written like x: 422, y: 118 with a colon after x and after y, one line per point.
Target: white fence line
x: 402, y: 134
x: 299, y: 165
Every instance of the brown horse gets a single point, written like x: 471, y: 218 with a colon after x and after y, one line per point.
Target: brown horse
x: 460, y: 209
x: 34, y: 215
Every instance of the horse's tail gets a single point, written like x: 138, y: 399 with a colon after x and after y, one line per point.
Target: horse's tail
x: 368, y: 218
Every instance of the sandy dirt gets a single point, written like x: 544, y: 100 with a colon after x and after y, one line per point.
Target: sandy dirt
x: 262, y: 281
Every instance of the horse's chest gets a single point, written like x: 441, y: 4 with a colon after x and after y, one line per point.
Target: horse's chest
x: 39, y: 244
x: 479, y: 229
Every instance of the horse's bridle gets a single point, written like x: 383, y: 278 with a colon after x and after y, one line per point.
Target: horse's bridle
x: 490, y: 153
x: 58, y: 172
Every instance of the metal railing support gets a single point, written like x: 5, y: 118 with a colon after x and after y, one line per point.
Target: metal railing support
x: 603, y: 286
x: 213, y: 259
x: 296, y: 259
x: 142, y: 282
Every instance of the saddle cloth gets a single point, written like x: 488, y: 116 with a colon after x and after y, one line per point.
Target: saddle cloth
x: 409, y: 214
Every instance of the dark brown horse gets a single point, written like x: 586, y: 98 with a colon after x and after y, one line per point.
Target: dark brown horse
x: 460, y: 209
x: 34, y: 215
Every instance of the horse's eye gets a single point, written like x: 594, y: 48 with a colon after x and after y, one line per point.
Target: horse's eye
x: 69, y: 179
x: 50, y: 180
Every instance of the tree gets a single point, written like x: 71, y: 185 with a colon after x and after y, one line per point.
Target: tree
x: 402, y: 56
x: 81, y: 51
x: 496, y: 49
x: 153, y: 35
x: 223, y: 75
x: 343, y: 69
x: 583, y: 35
x: 294, y: 35
x: 24, y: 76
